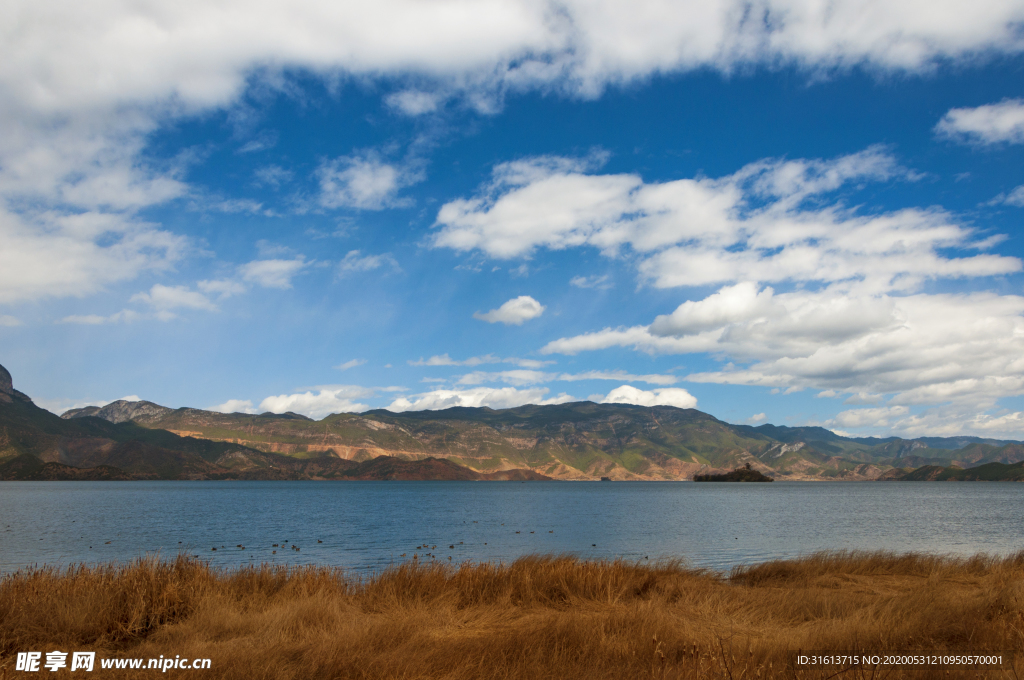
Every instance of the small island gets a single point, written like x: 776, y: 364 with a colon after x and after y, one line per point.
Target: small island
x: 743, y: 474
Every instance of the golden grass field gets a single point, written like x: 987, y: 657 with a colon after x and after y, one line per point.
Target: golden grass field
x: 538, y: 617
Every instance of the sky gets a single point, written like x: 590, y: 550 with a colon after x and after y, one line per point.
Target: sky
x: 774, y: 211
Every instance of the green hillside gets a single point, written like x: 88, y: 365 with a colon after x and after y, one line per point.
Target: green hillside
x: 988, y: 472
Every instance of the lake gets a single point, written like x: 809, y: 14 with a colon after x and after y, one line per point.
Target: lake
x: 369, y: 525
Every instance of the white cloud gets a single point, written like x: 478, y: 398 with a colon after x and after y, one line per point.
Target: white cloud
x: 514, y: 312
x: 989, y: 124
x: 599, y: 282
x: 350, y: 364
x: 666, y: 396
x: 86, y: 319
x: 68, y: 56
x: 414, y: 102
x: 235, y: 406
x: 83, y: 87
x: 272, y: 175
x: 772, y: 220
x: 9, y: 321
x: 522, y: 377
x: 957, y: 420
x: 363, y: 182
x: 757, y: 418
x: 863, y: 398
x: 273, y: 273
x: 355, y: 263
x: 517, y: 377
x: 445, y: 360
x: 733, y: 304
x: 55, y: 254
x: 124, y: 316
x: 946, y: 420
x: 165, y: 298
x: 962, y: 349
x: 234, y: 206
x: 1015, y: 197
x: 222, y: 288
x: 269, y: 250
x: 651, y: 378
x: 882, y: 417
x: 267, y: 139
x: 496, y: 398
x: 328, y: 399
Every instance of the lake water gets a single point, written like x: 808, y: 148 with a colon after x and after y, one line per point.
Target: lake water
x: 369, y: 525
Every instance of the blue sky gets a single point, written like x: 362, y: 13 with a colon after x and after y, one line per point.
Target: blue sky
x: 761, y: 210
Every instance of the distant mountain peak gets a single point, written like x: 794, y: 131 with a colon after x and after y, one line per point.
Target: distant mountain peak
x: 122, y: 411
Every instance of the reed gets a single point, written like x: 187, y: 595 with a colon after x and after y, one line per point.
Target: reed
x: 537, y: 617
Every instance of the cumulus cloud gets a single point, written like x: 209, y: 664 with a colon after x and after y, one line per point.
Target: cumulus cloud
x: 492, y: 397
x: 9, y: 321
x: 323, y: 402
x: 350, y: 364
x: 770, y: 221
x: 514, y: 312
x: 729, y: 305
x: 363, y: 182
x: 666, y: 396
x: 989, y: 124
x: 355, y: 262
x: 273, y: 273
x: 757, y: 418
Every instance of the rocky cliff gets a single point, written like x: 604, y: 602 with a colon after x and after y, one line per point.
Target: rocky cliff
x: 8, y: 394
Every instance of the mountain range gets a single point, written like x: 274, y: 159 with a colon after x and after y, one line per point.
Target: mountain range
x: 579, y: 441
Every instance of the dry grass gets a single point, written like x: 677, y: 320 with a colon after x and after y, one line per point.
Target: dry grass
x: 539, y: 617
